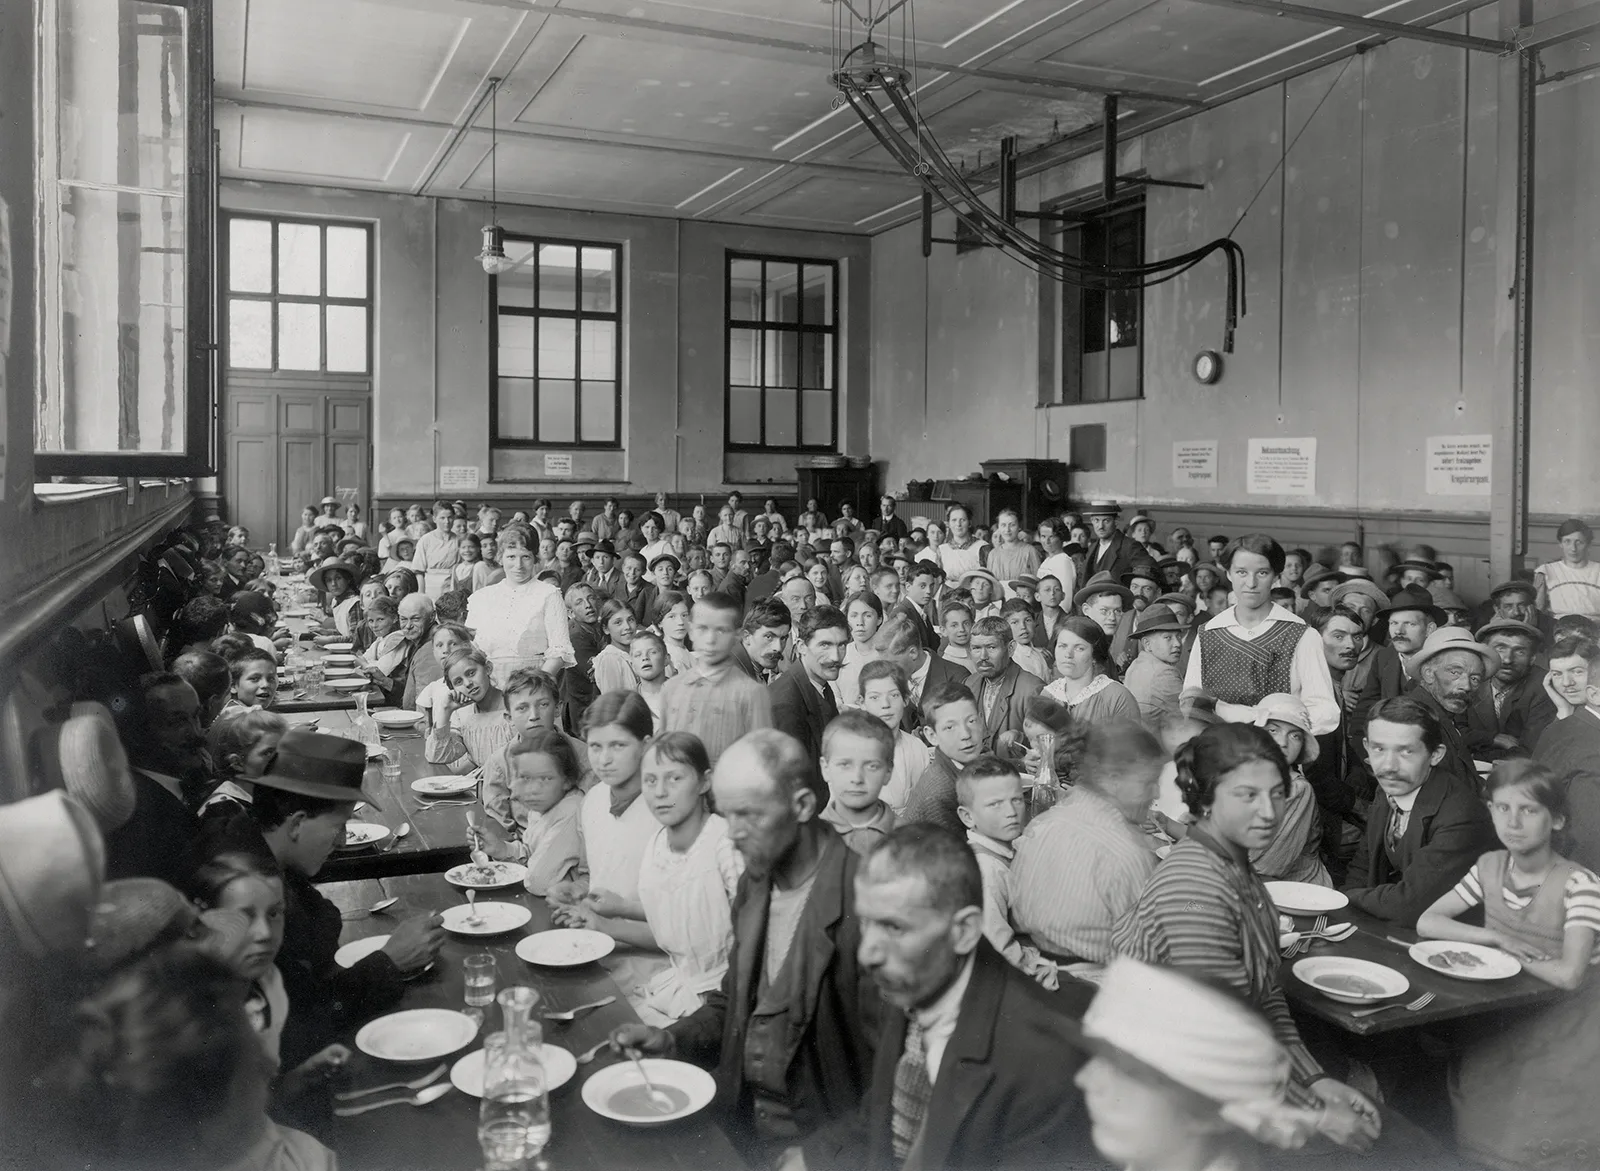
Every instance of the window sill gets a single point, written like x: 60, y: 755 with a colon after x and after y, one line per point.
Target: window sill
x: 72, y: 492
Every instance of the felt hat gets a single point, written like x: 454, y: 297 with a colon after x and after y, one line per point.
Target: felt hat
x: 585, y: 539
x: 1510, y: 626
x: 52, y: 864
x: 132, y: 916
x: 605, y: 547
x: 1514, y: 587
x: 1169, y: 1030
x: 1147, y: 570
x: 1360, y: 571
x: 1318, y: 574
x: 1290, y: 710
x: 1447, y: 600
x: 1417, y: 563
x: 1072, y: 548
x: 1413, y: 598
x: 84, y: 756
x: 318, y: 577
x: 1101, y: 508
x: 1454, y: 638
x: 1170, y: 600
x: 313, y: 764
x: 1365, y: 589
x: 667, y: 557
x: 1102, y: 583
x: 1156, y: 617
x: 1026, y: 582
x: 1170, y: 562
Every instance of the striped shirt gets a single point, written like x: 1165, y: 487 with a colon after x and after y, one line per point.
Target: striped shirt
x: 1207, y: 911
x: 1079, y: 868
x: 1581, y: 899
x: 719, y: 706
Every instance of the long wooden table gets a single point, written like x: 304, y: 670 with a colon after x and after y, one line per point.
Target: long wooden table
x: 1453, y: 999
x: 321, y: 698
x: 444, y: 1134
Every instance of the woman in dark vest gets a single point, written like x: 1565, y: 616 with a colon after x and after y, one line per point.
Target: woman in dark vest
x: 1256, y: 648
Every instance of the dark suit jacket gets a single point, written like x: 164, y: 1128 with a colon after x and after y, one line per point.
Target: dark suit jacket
x: 930, y: 637
x: 1525, y: 714
x: 940, y: 671
x: 1571, y: 748
x: 1017, y: 687
x: 762, y: 586
x: 742, y: 660
x: 577, y: 684
x: 803, y: 712
x: 832, y: 1014
x: 1385, y: 681
x: 1118, y: 558
x: 893, y: 527
x: 1003, y: 1097
x: 1448, y: 830
x: 155, y: 841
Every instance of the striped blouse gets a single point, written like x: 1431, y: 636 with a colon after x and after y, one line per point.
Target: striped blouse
x: 1205, y: 909
x: 1581, y: 899
x: 474, y: 738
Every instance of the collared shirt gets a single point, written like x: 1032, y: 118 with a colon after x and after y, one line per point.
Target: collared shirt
x: 860, y: 836
x: 919, y: 679
x: 171, y: 784
x: 939, y: 1019
x: 719, y: 705
x: 1308, y: 670
x: 1061, y: 567
x: 521, y: 625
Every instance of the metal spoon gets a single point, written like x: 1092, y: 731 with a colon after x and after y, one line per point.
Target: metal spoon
x: 421, y: 1098
x: 472, y: 903
x: 377, y: 908
x: 657, y: 1098
x: 568, y: 1014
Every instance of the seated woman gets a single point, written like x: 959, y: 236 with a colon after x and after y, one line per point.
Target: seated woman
x: 301, y: 541
x: 1182, y: 1076
x: 337, y: 581
x: 1205, y: 909
x: 471, y: 724
x: 863, y: 612
x: 1524, y: 1091
x: 1083, y: 683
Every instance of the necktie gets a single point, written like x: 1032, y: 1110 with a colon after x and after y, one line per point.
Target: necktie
x: 912, y: 1089
x: 1397, y: 829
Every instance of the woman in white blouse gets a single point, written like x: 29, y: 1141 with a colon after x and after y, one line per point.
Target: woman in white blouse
x: 520, y: 622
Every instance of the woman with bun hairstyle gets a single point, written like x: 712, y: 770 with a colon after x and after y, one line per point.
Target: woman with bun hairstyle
x: 1206, y: 911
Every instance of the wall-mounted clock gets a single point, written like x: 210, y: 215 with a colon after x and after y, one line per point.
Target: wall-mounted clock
x: 1207, y: 367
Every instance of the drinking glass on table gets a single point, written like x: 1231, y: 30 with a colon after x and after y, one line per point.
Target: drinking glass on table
x: 311, y: 674
x: 480, y: 977
x: 391, y: 768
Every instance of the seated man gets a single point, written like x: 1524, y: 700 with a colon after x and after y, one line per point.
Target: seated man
x: 1001, y: 686
x: 790, y: 1031
x: 975, y: 1063
x: 1508, y: 718
x: 1571, y: 745
x: 1450, y: 670
x: 1426, y: 826
x: 1400, y: 629
x: 159, y: 723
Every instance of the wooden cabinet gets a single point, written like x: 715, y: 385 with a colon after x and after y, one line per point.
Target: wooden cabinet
x: 830, y: 486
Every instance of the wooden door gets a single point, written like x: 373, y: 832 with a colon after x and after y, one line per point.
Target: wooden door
x: 349, y: 450
x: 251, y: 484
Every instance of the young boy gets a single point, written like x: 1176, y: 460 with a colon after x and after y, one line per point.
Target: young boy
x: 533, y: 703
x: 990, y: 804
x: 1020, y: 616
x: 255, y: 681
x: 857, y: 758
x: 588, y: 638
x: 951, y: 715
x: 955, y: 621
x: 648, y: 655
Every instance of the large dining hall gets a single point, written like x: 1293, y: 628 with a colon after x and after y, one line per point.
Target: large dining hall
x: 799, y: 585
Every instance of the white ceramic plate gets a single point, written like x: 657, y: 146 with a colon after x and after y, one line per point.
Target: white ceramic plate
x: 1306, y: 898
x: 1465, y: 961
x: 396, y: 718
x: 339, y: 647
x: 617, y: 1091
x: 486, y: 875
x: 363, y: 833
x: 350, y: 683
x: 340, y: 672
x: 1350, y: 981
x: 494, y: 918
x: 352, y: 954
x: 339, y: 660
x: 566, y: 947
x: 418, y: 1034
x: 444, y: 786
x: 559, y: 1066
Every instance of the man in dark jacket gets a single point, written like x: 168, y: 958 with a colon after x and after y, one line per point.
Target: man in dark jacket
x: 1110, y: 549
x: 1426, y: 826
x: 764, y: 643
x: 1509, y: 715
x: 917, y: 601
x: 1001, y: 686
x: 159, y: 723
x: 790, y: 1031
x: 802, y: 697
x: 975, y: 1063
x: 1401, y: 628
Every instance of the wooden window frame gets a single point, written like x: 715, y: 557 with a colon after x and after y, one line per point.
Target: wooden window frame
x: 763, y: 328
x: 1074, y: 305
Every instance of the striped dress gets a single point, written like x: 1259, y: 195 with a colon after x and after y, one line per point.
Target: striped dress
x: 1207, y: 911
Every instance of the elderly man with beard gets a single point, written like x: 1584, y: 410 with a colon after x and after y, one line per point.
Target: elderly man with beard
x: 790, y: 1031
x: 159, y: 722
x: 1451, y: 668
x: 975, y: 1062
x: 1508, y: 717
x: 417, y: 666
x: 1427, y: 825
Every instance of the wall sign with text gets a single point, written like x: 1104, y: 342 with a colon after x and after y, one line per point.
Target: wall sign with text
x: 1281, y: 467
x: 1458, y: 465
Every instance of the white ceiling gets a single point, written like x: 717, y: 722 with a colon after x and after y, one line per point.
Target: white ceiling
x: 715, y: 109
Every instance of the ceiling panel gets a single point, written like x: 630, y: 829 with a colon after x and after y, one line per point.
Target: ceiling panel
x: 695, y: 95
x: 319, y: 145
x: 351, y: 50
x: 838, y: 201
x: 578, y: 169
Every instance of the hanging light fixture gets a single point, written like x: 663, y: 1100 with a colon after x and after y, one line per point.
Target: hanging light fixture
x: 493, y: 257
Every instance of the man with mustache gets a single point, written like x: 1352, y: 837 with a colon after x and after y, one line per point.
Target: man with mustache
x: 1451, y: 668
x: 1508, y: 717
x: 1426, y: 826
x: 159, y: 722
x: 1406, y: 622
x: 1336, y: 774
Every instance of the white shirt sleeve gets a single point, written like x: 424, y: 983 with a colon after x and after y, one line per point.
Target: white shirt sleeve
x: 558, y: 639
x: 1311, y: 680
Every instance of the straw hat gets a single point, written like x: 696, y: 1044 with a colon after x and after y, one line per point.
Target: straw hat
x: 1165, y: 1027
x: 318, y: 577
x: 132, y: 916
x: 1290, y: 710
x: 1102, y: 583
x: 52, y: 862
x: 1455, y: 638
x: 968, y: 577
x: 84, y: 755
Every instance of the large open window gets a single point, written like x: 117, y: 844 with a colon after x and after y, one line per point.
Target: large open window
x: 555, y: 346
x: 126, y: 381
x: 1102, y: 333
x: 783, y: 354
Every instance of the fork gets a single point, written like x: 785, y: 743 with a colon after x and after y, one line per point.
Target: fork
x: 568, y: 1014
x: 426, y: 1079
x: 1422, y: 1001
x: 1304, y: 942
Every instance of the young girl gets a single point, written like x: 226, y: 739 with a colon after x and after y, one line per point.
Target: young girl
x: 301, y: 541
x: 487, y: 571
x: 469, y: 555
x: 380, y: 618
x: 242, y: 745
x: 1525, y: 1093
x: 402, y: 552
x: 855, y: 579
x: 1293, y: 855
x: 648, y: 658
x: 352, y: 523
x: 673, y: 626
x: 885, y: 692
x: 544, y: 799
x: 687, y: 881
x: 864, y: 614
x: 1023, y: 620
x: 613, y: 667
x: 255, y: 681
x: 470, y: 726
x: 533, y: 702
x: 392, y: 531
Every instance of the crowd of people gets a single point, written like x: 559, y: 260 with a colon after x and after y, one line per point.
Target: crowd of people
x: 942, y: 844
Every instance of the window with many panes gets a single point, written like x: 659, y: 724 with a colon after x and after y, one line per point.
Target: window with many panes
x: 555, y: 346
x: 783, y: 354
x: 1102, y: 334
x: 299, y: 295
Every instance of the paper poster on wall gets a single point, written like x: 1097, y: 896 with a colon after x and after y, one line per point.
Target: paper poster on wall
x: 1194, y: 463
x: 558, y: 463
x: 458, y: 479
x: 1281, y: 467
x: 1458, y: 465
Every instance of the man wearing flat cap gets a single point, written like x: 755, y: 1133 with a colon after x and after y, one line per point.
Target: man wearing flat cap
x: 1110, y: 549
x: 1400, y: 628
x: 1507, y: 717
x: 1450, y: 670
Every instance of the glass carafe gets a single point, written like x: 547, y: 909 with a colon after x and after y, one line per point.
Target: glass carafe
x: 1046, y: 789
x: 514, y: 1118
x: 364, y: 726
